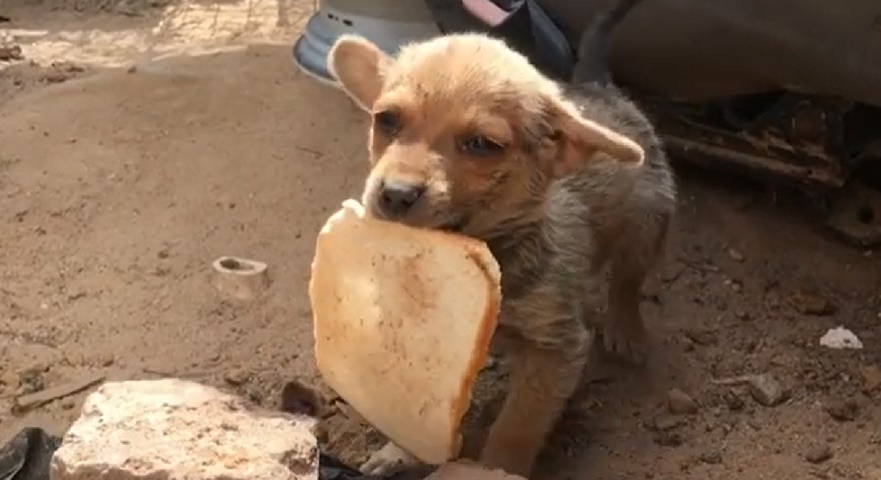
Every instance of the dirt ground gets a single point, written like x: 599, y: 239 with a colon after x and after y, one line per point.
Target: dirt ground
x: 140, y: 140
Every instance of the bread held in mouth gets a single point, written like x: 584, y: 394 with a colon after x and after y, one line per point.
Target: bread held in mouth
x: 403, y: 319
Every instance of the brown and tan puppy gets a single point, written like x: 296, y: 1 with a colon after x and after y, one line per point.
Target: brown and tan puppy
x: 467, y: 136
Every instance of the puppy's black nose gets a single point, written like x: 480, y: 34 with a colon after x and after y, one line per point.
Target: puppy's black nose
x: 397, y: 198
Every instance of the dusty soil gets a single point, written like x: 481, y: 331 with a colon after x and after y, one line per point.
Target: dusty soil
x: 141, y: 140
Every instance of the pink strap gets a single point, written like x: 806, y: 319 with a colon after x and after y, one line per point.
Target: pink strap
x: 486, y: 11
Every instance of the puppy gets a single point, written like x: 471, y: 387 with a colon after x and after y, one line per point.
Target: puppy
x: 467, y: 136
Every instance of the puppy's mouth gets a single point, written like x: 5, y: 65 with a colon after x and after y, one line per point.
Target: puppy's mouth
x: 456, y: 226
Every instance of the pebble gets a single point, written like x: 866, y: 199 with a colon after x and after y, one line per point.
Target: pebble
x: 812, y: 304
x: 237, y: 376
x: 713, y: 457
x: 10, y: 380
x: 733, y: 401
x: 663, y: 423
x: 871, y: 378
x: 766, y: 390
x: 736, y: 255
x: 668, y: 439
x: 842, y: 410
x: 679, y: 402
x: 818, y: 453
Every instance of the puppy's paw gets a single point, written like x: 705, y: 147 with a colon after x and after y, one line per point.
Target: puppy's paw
x: 388, y: 460
x: 507, y: 455
x: 628, y: 340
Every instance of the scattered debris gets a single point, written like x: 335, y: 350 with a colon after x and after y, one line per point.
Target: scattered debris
x: 840, y: 338
x: 240, y: 278
x: 30, y: 401
x: 812, y: 304
x: 207, y: 435
x: 855, y: 214
x: 871, y: 378
x: 733, y: 400
x: 666, y: 422
x: 10, y: 53
x: 842, y: 410
x: 736, y: 255
x: 713, y: 457
x: 9, y: 381
x: 764, y: 388
x: 818, y: 453
x: 31, y: 380
x: 679, y: 402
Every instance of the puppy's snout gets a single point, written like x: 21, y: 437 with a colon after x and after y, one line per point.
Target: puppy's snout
x: 397, y: 198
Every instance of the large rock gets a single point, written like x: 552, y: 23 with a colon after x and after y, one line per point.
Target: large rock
x: 178, y: 430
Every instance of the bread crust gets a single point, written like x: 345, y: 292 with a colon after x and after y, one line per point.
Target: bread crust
x: 331, y: 362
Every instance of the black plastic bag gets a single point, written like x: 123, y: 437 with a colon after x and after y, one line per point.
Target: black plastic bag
x: 27, y: 455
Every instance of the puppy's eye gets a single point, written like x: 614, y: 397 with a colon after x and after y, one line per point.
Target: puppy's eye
x: 387, y: 121
x: 480, y: 146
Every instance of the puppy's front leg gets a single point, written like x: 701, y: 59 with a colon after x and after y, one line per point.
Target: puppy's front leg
x: 542, y: 380
x: 389, y: 460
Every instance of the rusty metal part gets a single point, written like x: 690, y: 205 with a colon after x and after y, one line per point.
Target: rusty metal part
x: 855, y: 214
x: 787, y: 136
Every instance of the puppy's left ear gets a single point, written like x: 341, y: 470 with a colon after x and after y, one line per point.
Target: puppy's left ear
x: 581, y: 139
x: 360, y: 67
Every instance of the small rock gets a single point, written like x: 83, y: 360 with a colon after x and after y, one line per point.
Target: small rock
x: 712, y: 457
x: 741, y: 314
x: 237, y: 376
x: 733, y: 400
x: 107, y: 360
x: 812, y: 304
x: 10, y: 380
x: 818, y: 453
x: 702, y: 338
x: 766, y: 390
x: 735, y: 255
x: 666, y: 422
x: 10, y: 52
x: 300, y: 398
x: 871, y: 378
x: 68, y: 403
x: 679, y: 402
x: 206, y: 435
x: 31, y: 381
x: 668, y: 439
x: 842, y: 410
x: 75, y: 359
x: 56, y: 77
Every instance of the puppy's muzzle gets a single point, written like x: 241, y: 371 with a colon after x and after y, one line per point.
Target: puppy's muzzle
x: 397, y: 198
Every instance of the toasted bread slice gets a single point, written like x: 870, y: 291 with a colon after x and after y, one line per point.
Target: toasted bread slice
x: 403, y: 321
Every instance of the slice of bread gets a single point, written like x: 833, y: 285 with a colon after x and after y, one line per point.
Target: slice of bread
x: 403, y: 321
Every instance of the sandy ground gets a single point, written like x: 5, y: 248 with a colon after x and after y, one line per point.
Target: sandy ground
x: 147, y: 139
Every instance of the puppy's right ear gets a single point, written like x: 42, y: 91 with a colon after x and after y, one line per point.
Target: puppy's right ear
x: 360, y: 67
